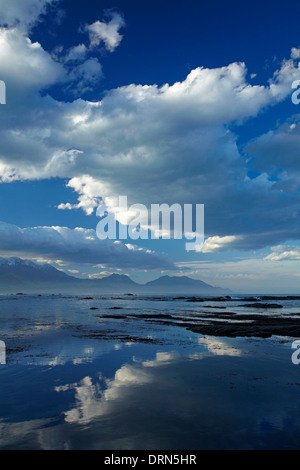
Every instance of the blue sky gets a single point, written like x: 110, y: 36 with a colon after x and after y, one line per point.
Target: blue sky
x: 169, y: 102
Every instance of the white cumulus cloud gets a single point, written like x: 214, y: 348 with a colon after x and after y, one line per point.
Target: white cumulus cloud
x: 284, y: 252
x: 216, y: 243
x: 22, y: 13
x: 106, y: 32
x: 156, y: 144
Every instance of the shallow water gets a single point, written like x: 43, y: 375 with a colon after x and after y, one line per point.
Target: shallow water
x: 83, y: 374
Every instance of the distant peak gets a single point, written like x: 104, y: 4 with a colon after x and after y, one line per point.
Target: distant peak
x: 119, y: 276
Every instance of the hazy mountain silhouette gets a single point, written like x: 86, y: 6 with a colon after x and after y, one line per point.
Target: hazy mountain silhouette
x: 18, y: 275
x: 170, y: 282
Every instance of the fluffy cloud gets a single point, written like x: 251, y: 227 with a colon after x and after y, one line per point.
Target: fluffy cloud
x: 77, y: 245
x: 85, y: 70
x: 25, y: 66
x: 277, y: 151
x: 216, y: 243
x: 106, y: 32
x: 284, y: 252
x: 169, y: 144
x: 88, y: 190
x: 85, y: 75
x: 146, y: 132
x: 22, y: 14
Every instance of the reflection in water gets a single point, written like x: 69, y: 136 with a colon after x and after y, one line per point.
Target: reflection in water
x: 77, y: 381
x: 219, y: 347
x: 168, y: 402
x: 174, y: 401
x: 92, y: 401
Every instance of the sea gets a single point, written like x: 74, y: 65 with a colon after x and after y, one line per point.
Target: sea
x: 141, y: 372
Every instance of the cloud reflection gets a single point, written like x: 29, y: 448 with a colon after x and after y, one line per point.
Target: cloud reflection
x: 93, y: 400
x: 219, y: 347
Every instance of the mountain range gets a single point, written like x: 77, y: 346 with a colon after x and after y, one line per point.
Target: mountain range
x: 18, y: 275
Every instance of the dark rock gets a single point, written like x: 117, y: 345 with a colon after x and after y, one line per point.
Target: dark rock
x: 262, y: 305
